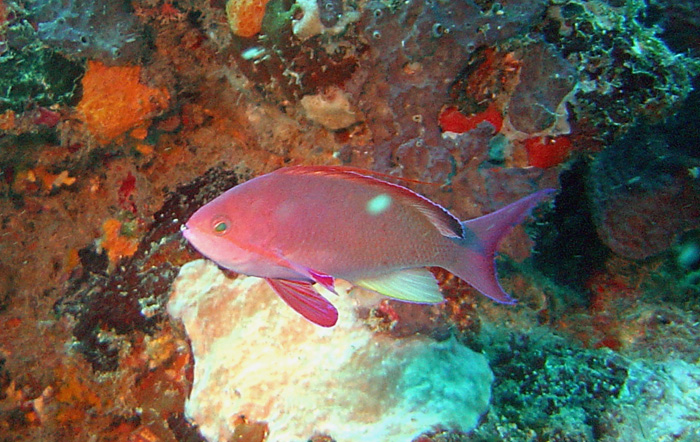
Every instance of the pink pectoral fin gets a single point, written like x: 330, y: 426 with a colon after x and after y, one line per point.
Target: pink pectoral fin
x: 326, y: 281
x: 305, y: 300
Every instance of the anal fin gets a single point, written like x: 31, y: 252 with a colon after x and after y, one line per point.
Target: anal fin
x: 305, y: 300
x: 412, y: 285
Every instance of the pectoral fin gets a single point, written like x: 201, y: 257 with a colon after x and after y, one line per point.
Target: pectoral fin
x: 327, y: 281
x: 305, y: 300
x: 413, y: 285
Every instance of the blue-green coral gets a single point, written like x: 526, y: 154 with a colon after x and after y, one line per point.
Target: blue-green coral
x: 625, y: 69
x: 548, y: 389
x: 30, y: 73
x: 105, y: 30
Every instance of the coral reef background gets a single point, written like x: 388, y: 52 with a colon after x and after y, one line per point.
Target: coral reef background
x: 119, y: 119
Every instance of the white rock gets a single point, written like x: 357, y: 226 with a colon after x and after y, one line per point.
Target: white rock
x: 256, y: 357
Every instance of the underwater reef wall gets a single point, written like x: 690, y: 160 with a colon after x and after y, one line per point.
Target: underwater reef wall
x: 119, y: 118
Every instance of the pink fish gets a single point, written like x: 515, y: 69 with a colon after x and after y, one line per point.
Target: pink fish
x: 311, y: 224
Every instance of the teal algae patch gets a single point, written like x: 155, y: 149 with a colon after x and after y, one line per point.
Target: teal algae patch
x: 32, y: 74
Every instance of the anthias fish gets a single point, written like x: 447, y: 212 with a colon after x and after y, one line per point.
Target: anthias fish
x: 306, y: 225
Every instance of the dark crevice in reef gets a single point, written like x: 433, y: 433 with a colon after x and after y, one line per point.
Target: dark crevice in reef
x: 109, y: 305
x: 567, y: 248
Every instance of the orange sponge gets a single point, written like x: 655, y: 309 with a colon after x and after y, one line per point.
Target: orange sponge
x: 245, y: 16
x: 115, y: 243
x: 114, y: 101
x: 545, y: 152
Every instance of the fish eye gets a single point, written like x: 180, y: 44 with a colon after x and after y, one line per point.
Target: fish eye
x: 220, y: 225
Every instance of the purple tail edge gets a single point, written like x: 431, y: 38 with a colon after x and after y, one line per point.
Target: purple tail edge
x: 475, y: 258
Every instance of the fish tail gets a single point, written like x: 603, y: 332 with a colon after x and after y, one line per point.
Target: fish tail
x: 474, y: 261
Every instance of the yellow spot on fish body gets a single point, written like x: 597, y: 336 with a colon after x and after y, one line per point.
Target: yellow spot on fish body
x: 378, y: 204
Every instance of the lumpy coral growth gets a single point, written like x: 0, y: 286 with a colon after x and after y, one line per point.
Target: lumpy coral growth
x: 115, y: 101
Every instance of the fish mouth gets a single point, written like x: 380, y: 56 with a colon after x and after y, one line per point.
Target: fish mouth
x: 186, y: 231
x: 193, y: 238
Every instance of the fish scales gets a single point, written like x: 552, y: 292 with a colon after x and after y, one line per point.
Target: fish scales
x: 327, y: 223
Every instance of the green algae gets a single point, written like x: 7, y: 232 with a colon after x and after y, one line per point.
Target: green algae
x: 32, y: 74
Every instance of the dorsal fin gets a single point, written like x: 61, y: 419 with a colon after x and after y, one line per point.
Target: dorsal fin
x: 444, y: 221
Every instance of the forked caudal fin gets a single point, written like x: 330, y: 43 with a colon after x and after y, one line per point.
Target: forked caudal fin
x: 475, y: 259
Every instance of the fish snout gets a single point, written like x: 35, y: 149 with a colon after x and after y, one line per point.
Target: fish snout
x: 186, y: 231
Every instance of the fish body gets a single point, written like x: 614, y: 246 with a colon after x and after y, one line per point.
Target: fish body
x: 310, y: 224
